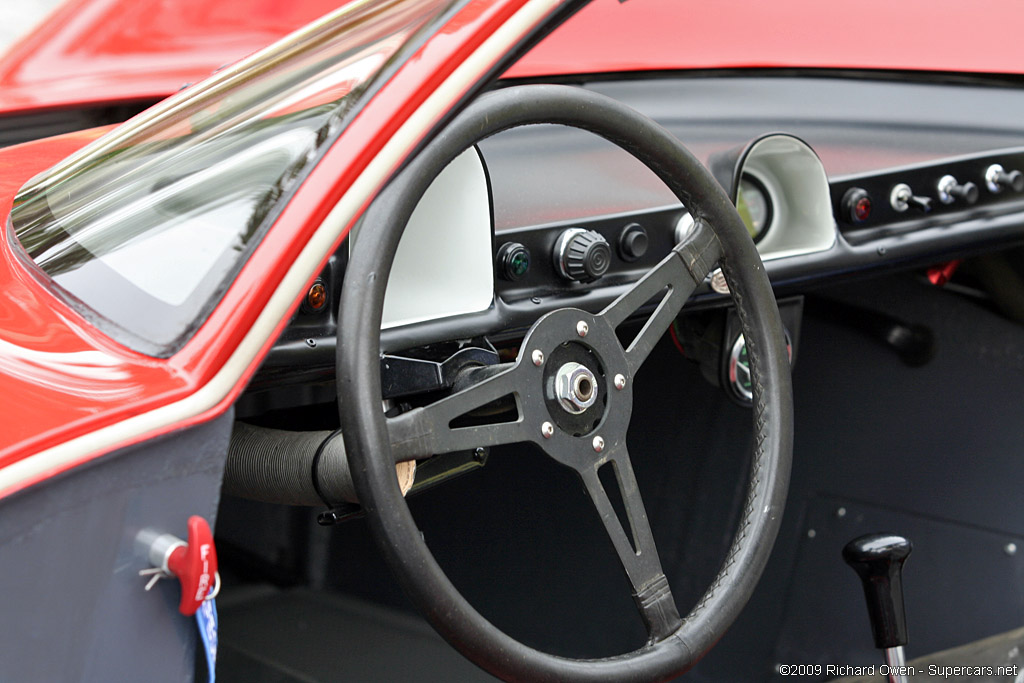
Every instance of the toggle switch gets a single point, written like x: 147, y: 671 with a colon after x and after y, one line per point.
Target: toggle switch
x: 998, y: 179
x: 902, y: 198
x: 949, y: 190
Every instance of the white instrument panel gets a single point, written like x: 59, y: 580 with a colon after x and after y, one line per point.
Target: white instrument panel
x: 443, y: 266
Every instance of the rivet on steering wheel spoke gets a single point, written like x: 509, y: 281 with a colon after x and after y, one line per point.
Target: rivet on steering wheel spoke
x: 620, y: 381
x: 598, y: 444
x: 582, y: 328
x: 547, y: 429
x: 538, y: 357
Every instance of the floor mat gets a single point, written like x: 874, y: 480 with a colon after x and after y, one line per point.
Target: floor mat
x: 293, y: 636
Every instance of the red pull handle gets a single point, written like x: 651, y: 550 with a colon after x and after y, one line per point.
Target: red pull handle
x: 940, y: 275
x: 195, y: 565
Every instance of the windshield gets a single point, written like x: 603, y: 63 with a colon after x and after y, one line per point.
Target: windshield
x: 146, y: 226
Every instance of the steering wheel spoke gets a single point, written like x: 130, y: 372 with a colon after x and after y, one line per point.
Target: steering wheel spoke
x: 635, y: 545
x: 674, y: 280
x: 435, y: 428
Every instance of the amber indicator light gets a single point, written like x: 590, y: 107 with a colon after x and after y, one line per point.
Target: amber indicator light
x: 316, y: 298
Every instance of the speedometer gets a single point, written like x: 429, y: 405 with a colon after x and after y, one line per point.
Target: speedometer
x: 754, y: 206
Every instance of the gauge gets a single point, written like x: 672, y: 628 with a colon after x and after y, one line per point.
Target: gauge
x: 739, y: 371
x: 754, y: 206
x: 684, y: 226
x: 740, y: 378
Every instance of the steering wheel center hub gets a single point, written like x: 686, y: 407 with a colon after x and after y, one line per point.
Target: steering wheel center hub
x: 575, y: 390
x: 575, y: 387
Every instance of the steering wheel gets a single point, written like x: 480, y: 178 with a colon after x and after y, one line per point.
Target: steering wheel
x: 375, y: 442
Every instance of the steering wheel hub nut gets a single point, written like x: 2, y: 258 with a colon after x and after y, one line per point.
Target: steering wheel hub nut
x: 575, y: 387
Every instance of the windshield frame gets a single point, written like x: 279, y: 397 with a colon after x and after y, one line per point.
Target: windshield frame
x: 220, y: 84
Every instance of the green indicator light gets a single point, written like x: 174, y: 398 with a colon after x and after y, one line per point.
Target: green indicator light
x: 520, y: 264
x: 513, y: 261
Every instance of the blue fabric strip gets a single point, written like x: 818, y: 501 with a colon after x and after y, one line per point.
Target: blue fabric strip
x: 206, y: 620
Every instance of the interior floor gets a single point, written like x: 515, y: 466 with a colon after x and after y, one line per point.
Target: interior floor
x: 933, y: 453
x: 298, y: 635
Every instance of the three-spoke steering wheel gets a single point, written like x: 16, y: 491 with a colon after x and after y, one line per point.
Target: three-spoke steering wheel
x: 572, y: 383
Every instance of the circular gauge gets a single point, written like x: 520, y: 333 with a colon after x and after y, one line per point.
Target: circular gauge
x: 684, y: 226
x: 754, y: 206
x: 740, y: 378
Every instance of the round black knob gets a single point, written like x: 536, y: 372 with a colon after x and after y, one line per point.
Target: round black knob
x: 878, y: 560
x: 513, y: 261
x: 998, y: 179
x: 856, y: 205
x: 633, y: 242
x: 949, y: 190
x: 582, y: 255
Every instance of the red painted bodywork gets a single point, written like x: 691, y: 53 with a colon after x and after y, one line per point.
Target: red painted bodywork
x: 656, y: 35
x: 55, y: 370
x: 61, y: 378
x: 101, y: 51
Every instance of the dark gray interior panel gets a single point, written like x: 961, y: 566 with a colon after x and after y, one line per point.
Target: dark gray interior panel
x: 78, y: 609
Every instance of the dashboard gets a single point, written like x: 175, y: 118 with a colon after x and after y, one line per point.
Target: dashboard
x: 834, y: 176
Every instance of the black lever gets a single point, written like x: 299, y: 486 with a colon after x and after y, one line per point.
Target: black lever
x: 878, y: 560
x: 913, y: 343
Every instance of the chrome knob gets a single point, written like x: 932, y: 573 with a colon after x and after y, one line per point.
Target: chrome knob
x: 998, y: 179
x: 949, y: 190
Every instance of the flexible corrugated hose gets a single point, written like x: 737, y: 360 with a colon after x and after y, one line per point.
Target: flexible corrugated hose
x: 276, y: 466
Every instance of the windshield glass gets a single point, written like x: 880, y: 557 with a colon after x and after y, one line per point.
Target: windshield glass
x: 146, y: 225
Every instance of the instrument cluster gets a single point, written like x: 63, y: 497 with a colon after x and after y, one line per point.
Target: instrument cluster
x: 777, y: 183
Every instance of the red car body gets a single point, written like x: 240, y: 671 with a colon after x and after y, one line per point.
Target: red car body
x: 93, y: 52
x: 73, y: 395
x: 52, y: 358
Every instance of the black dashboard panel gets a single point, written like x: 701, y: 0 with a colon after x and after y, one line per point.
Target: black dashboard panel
x: 869, y: 134
x: 990, y: 196
x: 543, y: 278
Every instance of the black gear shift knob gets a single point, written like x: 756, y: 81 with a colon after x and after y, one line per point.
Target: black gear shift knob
x: 878, y: 560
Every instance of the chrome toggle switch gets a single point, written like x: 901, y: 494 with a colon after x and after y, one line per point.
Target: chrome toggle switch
x: 998, y: 179
x: 949, y: 190
x: 902, y: 198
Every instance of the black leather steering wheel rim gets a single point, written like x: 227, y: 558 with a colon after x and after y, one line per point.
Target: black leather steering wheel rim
x: 369, y: 443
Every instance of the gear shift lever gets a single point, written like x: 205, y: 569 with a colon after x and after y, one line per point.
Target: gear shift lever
x: 878, y: 560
